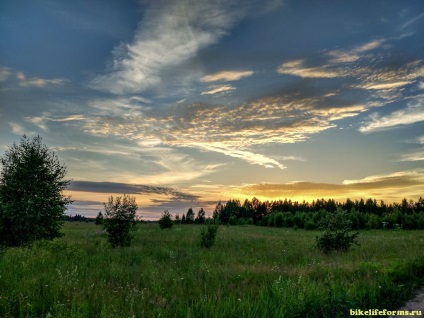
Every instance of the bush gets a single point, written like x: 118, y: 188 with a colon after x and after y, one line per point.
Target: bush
x: 31, y: 185
x: 278, y: 219
x: 207, y: 235
x: 336, y: 233
x: 165, y: 222
x: 99, y: 219
x: 120, y: 219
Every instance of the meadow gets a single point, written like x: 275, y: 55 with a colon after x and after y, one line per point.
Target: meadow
x: 250, y: 271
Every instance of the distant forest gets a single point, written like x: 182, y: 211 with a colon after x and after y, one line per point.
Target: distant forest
x: 364, y: 214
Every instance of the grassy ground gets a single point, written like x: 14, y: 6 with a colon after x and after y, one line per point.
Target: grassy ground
x: 249, y: 272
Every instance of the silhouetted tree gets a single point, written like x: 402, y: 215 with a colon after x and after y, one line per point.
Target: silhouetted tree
x: 201, y: 217
x: 120, y: 219
x: 216, y: 213
x: 190, y: 216
x: 165, y: 222
x: 32, y: 205
x: 99, y: 218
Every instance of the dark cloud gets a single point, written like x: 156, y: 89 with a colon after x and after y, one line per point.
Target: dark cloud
x: 112, y: 187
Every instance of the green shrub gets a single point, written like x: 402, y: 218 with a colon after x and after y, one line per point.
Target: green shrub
x: 99, y: 219
x: 120, y: 219
x: 207, y: 235
x: 279, y: 219
x: 165, y: 222
x: 336, y: 233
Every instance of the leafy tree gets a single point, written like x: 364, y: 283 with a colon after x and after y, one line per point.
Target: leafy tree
x: 31, y: 199
x: 336, y: 233
x: 120, y: 219
x: 99, y: 218
x: 165, y: 222
x: 207, y: 235
x: 217, y: 212
x: 177, y: 219
x: 190, y: 216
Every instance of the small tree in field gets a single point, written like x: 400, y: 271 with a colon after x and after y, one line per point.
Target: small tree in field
x: 336, y: 235
x: 207, y: 235
x: 165, y: 222
x: 120, y: 219
x: 32, y: 205
x: 99, y: 218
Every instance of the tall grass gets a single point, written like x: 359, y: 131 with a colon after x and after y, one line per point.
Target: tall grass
x: 249, y: 272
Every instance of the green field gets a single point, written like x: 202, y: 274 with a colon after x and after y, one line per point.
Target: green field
x: 249, y: 272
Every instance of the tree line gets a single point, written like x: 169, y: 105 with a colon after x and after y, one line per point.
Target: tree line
x: 363, y: 214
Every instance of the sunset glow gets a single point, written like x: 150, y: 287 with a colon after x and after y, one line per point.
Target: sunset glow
x: 185, y: 103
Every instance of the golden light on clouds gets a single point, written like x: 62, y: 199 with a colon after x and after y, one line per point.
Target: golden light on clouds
x: 226, y: 76
x: 383, y: 187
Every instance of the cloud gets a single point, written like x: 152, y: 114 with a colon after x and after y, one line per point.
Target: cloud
x: 170, y: 33
x: 298, y: 68
x: 413, y: 113
x: 250, y: 157
x: 359, y: 68
x: 5, y: 72
x: 112, y: 187
x: 416, y: 156
x: 218, y: 89
x: 22, y: 80
x: 226, y: 76
x: 17, y: 129
x: 401, y: 178
x: 411, y: 21
x: 41, y: 121
x: 152, y: 200
x: 409, y: 183
x: 386, y: 85
x: 232, y: 131
x: 37, y: 81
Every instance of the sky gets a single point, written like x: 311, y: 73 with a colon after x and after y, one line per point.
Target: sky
x: 182, y: 103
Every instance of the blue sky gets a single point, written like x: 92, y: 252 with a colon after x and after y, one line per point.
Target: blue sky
x: 184, y: 103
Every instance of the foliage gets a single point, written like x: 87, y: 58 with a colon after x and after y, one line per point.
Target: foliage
x: 99, y: 218
x: 165, y: 222
x: 201, y: 217
x: 31, y: 185
x: 189, y: 218
x: 207, y: 235
x: 336, y: 235
x: 364, y: 214
x: 120, y: 219
x: 78, y: 218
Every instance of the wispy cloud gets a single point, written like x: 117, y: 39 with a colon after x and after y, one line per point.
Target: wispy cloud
x: 413, y: 113
x: 226, y: 76
x: 250, y: 157
x: 112, y: 187
x: 42, y: 120
x: 171, y: 32
x: 415, y: 156
x: 23, y: 80
x: 233, y: 131
x: 338, y: 62
x: 17, y: 129
x: 298, y: 68
x: 218, y: 89
x: 4, y: 73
